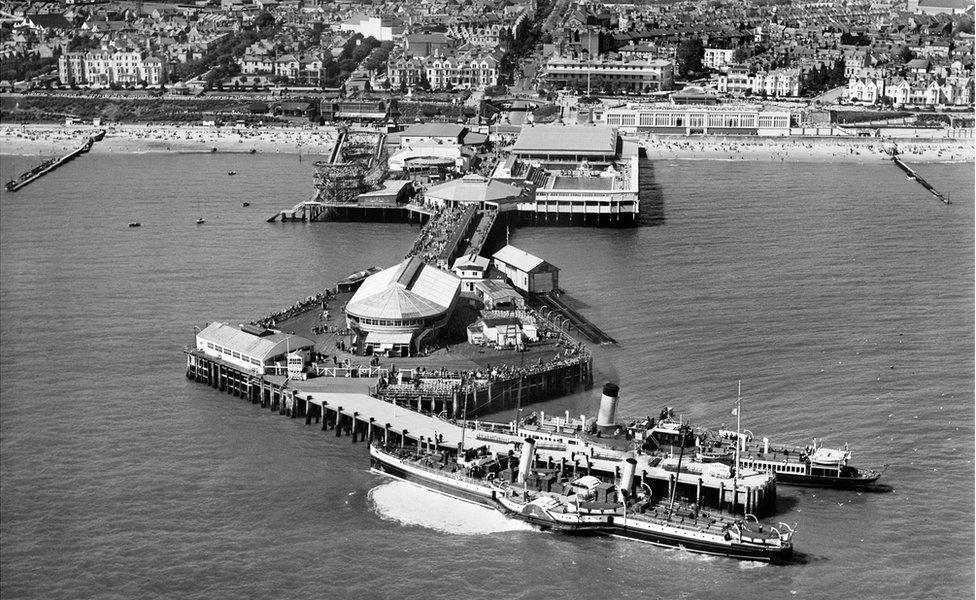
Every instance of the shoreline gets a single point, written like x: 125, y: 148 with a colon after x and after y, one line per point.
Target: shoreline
x: 32, y: 140
x: 799, y: 149
x: 55, y: 140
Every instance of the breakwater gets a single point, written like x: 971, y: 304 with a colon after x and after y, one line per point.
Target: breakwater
x: 50, y: 165
x: 913, y: 175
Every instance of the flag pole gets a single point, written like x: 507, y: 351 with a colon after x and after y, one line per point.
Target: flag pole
x: 738, y: 423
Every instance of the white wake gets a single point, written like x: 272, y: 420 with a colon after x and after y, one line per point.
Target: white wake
x: 408, y: 504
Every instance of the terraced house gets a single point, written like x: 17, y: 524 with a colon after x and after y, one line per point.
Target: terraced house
x: 470, y: 68
x: 110, y: 67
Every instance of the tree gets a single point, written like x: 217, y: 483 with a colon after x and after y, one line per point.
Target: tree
x: 740, y: 55
x: 264, y: 19
x: 905, y: 54
x: 965, y: 25
x: 689, y: 55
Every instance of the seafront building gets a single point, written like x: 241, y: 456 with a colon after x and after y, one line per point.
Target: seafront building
x: 645, y: 75
x: 778, y: 83
x: 395, y: 310
x: 105, y: 68
x: 469, y: 67
x: 696, y: 120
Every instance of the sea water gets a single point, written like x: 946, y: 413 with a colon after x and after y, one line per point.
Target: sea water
x: 840, y: 295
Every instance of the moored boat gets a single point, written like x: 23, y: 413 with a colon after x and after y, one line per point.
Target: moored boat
x: 811, y: 465
x: 583, y: 506
x: 645, y: 520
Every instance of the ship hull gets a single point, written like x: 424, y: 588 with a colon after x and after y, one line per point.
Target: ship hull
x: 447, y: 486
x: 843, y: 483
x: 663, y: 539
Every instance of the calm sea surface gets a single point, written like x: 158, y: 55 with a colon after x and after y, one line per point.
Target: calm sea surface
x: 841, y: 296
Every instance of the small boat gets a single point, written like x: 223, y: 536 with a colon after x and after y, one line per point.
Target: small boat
x: 232, y: 172
x: 135, y: 224
x: 201, y: 221
x: 245, y: 204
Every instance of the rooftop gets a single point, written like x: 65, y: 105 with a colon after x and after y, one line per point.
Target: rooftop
x: 409, y: 290
x: 567, y: 139
x: 562, y: 182
x: 475, y: 189
x: 520, y: 259
x: 450, y: 130
x: 260, y: 347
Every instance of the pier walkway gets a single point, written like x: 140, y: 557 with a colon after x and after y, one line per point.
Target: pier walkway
x: 593, y: 333
x: 440, y: 240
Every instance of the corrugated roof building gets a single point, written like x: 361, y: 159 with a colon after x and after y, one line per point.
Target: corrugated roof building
x: 567, y: 142
x: 395, y: 310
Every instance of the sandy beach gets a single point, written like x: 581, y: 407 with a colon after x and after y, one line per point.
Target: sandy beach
x: 798, y: 149
x: 51, y: 140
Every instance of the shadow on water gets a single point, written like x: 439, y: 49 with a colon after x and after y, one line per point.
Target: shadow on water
x: 802, y: 558
x: 877, y: 488
x: 785, y: 504
x: 651, y: 197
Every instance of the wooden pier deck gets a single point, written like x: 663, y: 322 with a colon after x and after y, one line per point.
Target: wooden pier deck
x: 344, y: 405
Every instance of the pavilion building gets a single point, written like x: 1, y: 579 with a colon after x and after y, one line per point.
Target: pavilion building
x: 394, y: 311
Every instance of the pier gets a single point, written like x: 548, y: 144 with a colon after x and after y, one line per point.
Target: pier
x: 913, y: 174
x: 345, y: 405
x: 48, y: 166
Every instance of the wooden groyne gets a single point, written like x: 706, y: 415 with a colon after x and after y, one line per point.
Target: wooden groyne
x: 913, y: 174
x: 50, y: 165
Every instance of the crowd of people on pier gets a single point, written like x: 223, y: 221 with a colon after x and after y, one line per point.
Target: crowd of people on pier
x: 437, y: 234
x: 445, y: 382
x: 481, y: 232
x: 300, y: 307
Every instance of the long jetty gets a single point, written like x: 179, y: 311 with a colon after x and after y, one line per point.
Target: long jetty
x: 586, y: 327
x: 913, y: 174
x: 48, y: 166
